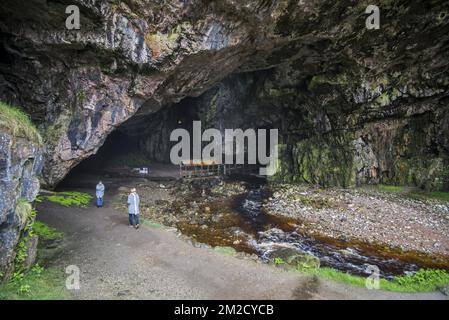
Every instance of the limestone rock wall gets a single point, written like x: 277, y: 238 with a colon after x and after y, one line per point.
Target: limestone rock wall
x: 20, y: 165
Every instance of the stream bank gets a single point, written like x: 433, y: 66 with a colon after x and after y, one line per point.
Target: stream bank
x: 260, y: 220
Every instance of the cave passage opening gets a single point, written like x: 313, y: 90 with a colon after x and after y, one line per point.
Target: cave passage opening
x: 143, y: 141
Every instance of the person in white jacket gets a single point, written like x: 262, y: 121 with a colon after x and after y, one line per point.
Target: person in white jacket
x: 133, y: 208
x: 99, y: 192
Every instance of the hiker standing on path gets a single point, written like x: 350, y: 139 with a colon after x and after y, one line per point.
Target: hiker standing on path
x: 99, y: 192
x: 133, y: 208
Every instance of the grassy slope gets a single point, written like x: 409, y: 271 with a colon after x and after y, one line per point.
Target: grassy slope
x: 18, y: 123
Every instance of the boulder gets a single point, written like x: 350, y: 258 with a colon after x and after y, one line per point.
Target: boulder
x: 31, y: 252
x: 295, y: 258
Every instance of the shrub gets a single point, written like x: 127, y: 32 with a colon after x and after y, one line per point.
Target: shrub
x: 278, y: 261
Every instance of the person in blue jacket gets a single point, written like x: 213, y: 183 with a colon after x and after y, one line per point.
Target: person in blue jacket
x: 133, y: 208
x: 99, y: 192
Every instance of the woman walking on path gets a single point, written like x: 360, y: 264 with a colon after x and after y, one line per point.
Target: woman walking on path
x: 133, y: 208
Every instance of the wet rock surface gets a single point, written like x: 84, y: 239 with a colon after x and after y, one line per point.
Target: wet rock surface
x: 295, y: 258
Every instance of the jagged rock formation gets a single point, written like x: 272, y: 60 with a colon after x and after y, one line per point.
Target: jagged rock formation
x: 353, y: 105
x: 20, y: 166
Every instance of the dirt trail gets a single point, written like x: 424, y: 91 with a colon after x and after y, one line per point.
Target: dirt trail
x: 118, y: 262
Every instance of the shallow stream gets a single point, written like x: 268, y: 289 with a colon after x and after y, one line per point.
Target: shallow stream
x: 245, y: 226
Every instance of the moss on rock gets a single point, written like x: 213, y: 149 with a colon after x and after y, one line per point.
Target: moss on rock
x: 18, y: 123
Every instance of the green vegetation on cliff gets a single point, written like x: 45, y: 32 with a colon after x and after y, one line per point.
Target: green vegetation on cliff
x: 27, y: 216
x: 18, y: 123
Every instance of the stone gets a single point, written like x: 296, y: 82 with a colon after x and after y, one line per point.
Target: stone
x: 31, y: 252
x: 123, y: 293
x: 295, y: 258
x: 444, y: 289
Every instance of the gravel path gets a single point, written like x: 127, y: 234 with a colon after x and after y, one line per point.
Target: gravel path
x: 118, y: 262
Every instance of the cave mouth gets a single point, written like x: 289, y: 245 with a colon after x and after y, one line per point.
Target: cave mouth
x: 143, y: 141
x: 117, y: 147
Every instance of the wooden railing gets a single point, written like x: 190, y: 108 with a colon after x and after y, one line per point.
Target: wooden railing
x: 199, y: 168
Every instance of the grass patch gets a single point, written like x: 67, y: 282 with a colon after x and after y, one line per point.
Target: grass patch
x: 69, y: 199
x: 391, y: 188
x: 46, y: 232
x: 420, y: 195
x: 18, y: 123
x: 332, y: 274
x: 37, y: 284
x: 436, y: 195
x: 278, y: 261
x: 424, y: 280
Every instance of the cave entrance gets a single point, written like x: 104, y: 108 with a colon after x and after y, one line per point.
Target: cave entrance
x: 139, y: 144
x: 116, y: 148
x: 143, y: 141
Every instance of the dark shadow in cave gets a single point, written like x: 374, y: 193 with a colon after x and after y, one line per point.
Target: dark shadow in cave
x: 117, y: 145
x: 143, y: 141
